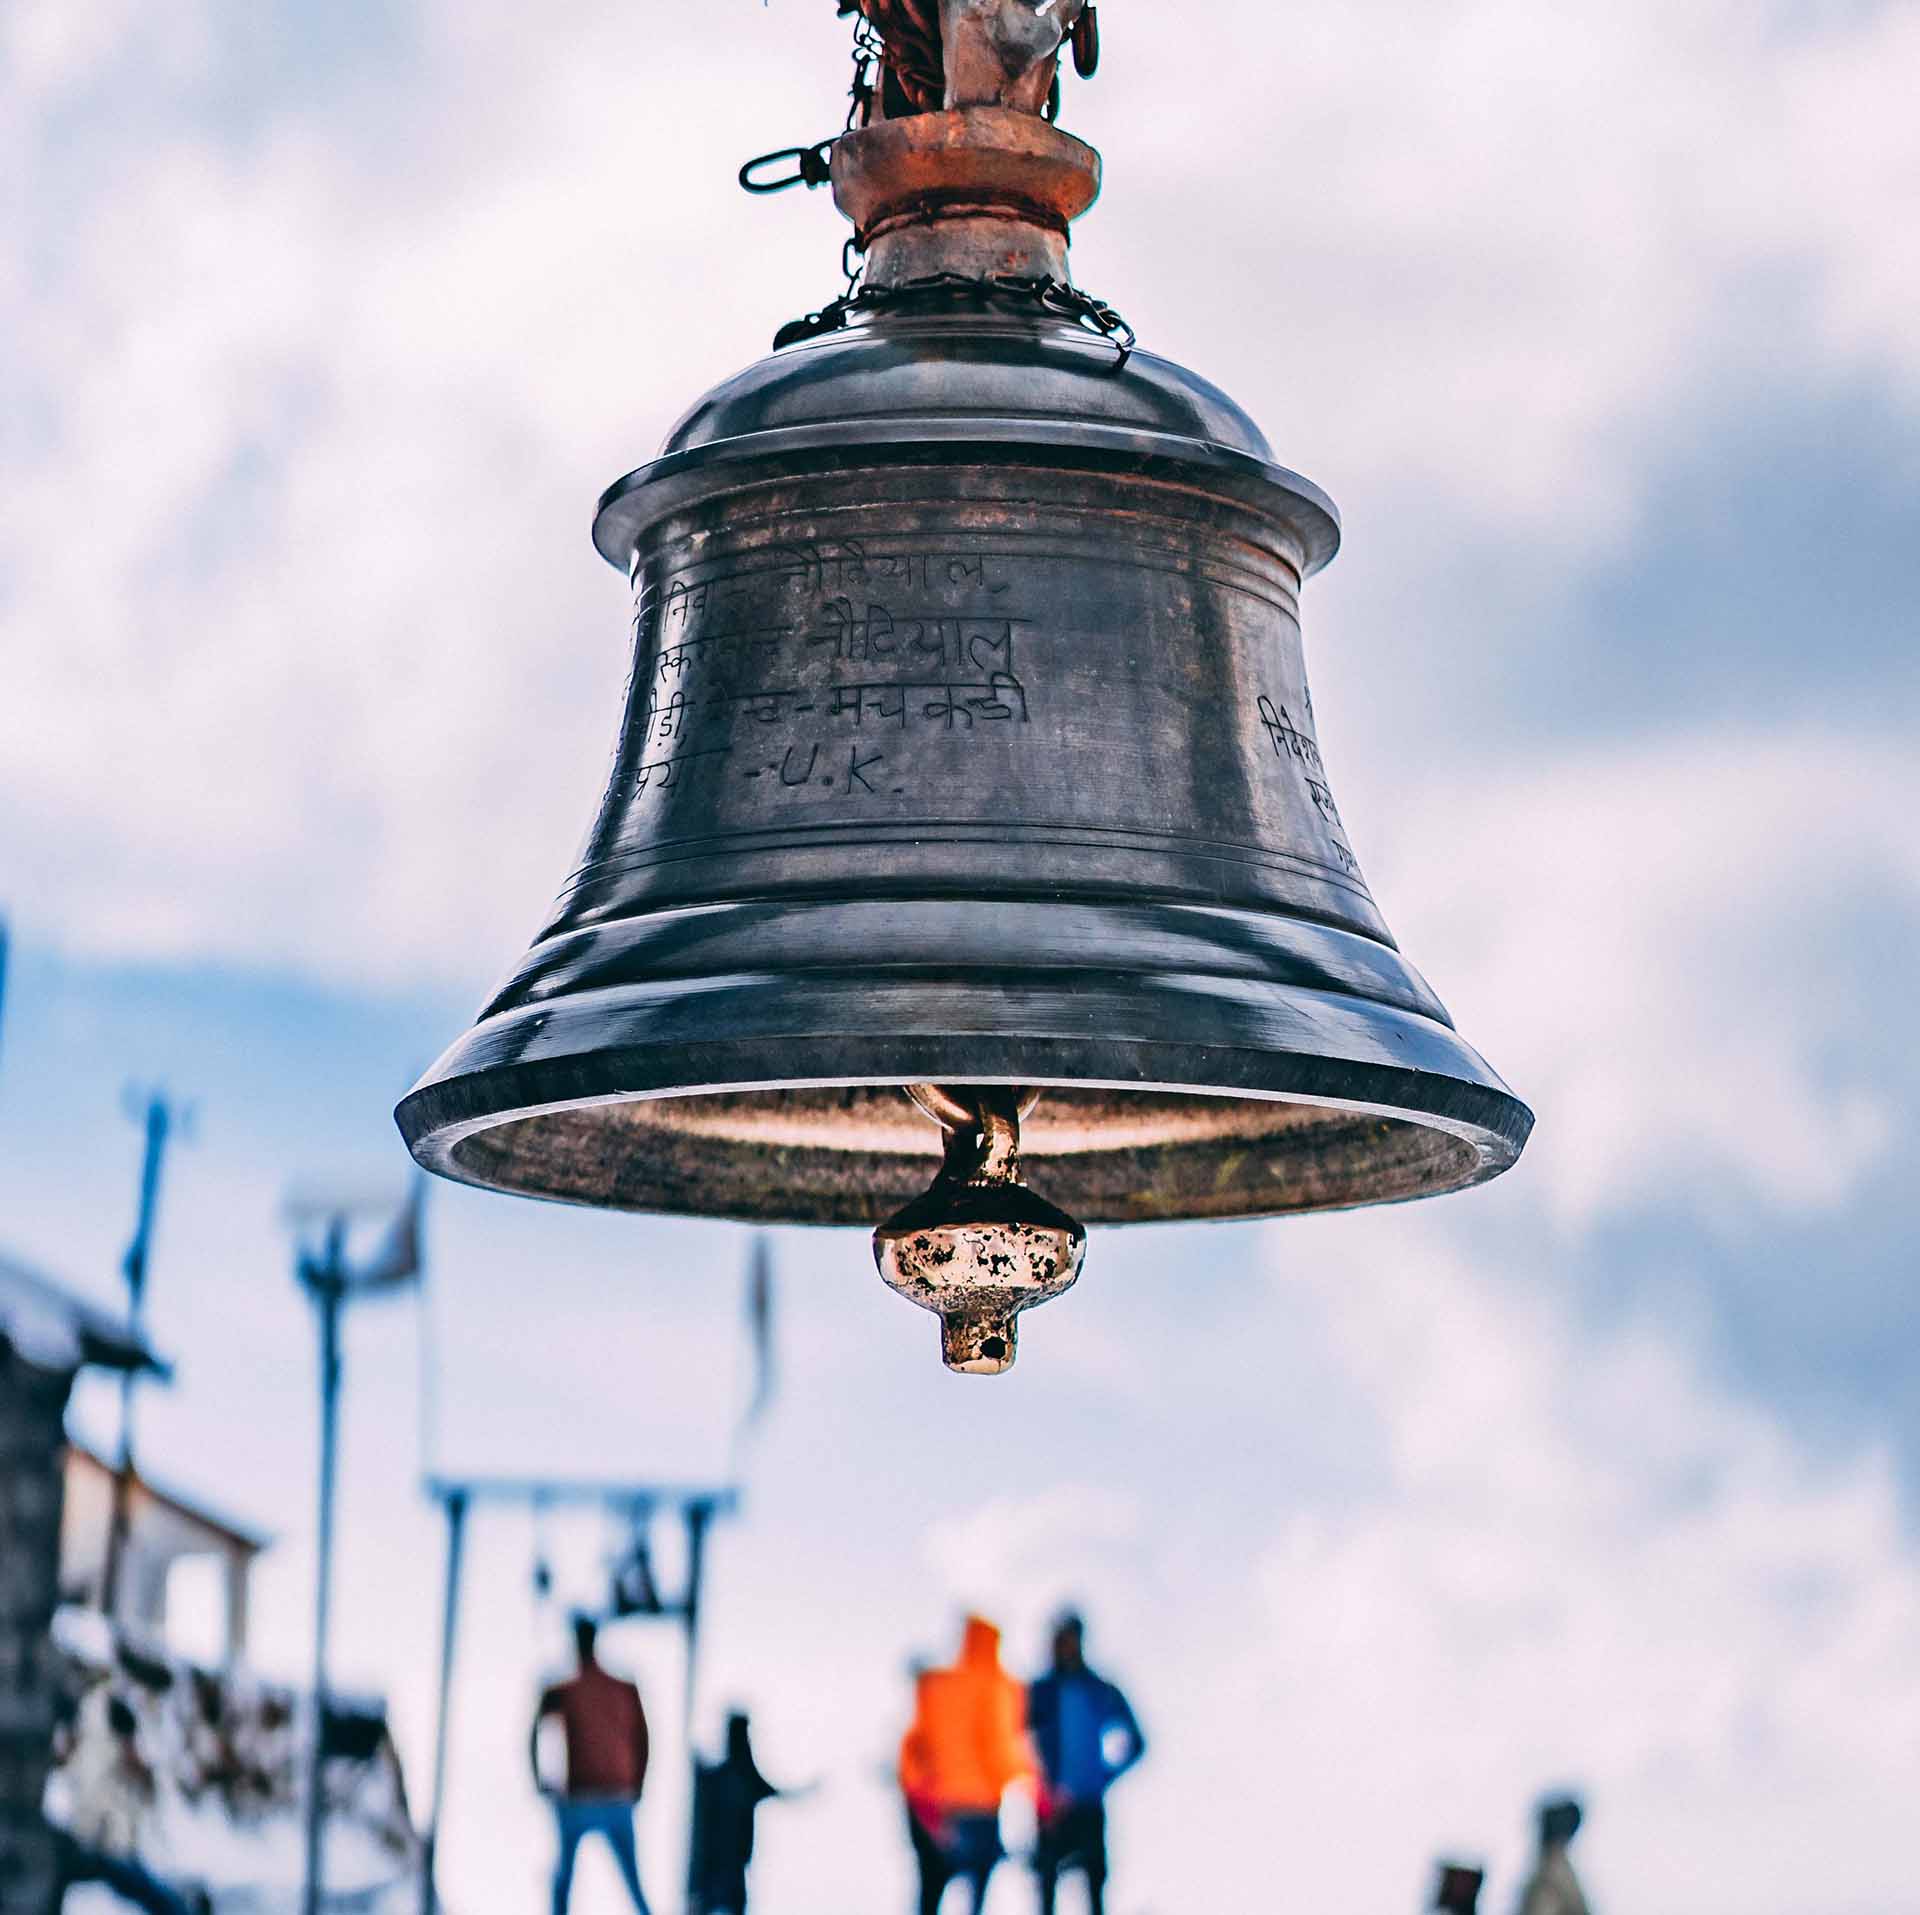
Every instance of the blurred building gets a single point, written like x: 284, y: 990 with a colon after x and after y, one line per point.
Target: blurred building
x: 164, y: 1530
x: 46, y: 1336
x: 228, y: 1744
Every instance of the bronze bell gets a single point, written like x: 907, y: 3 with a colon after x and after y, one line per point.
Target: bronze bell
x: 968, y: 769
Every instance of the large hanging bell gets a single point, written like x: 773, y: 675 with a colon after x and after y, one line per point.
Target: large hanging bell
x: 968, y: 745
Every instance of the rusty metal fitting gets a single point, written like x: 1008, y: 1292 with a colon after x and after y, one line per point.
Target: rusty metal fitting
x: 977, y: 191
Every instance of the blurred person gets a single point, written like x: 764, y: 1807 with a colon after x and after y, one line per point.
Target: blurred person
x: 1457, y: 1892
x: 965, y: 1748
x: 927, y: 1859
x: 607, y: 1747
x: 1554, y: 1888
x: 1086, y: 1737
x: 726, y: 1796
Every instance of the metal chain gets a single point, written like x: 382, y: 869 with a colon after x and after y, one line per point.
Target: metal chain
x: 902, y: 37
x: 1049, y: 294
x: 812, y: 166
x: 908, y: 36
x: 869, y: 51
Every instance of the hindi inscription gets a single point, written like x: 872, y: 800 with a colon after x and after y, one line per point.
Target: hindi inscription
x: 761, y: 674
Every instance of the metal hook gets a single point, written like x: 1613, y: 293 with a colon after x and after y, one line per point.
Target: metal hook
x: 813, y: 166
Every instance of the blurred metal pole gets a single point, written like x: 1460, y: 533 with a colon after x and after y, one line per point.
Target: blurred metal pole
x: 449, y: 1622
x: 699, y: 1517
x: 699, y: 1514
x: 158, y: 1118
x: 326, y: 1283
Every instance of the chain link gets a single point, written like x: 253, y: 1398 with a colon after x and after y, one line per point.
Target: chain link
x: 903, y: 36
x: 1040, y: 289
x: 813, y: 165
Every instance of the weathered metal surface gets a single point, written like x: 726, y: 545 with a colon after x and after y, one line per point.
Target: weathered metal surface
x: 948, y: 53
x: 968, y: 741
x: 913, y: 57
x: 1003, y: 52
x: 978, y: 191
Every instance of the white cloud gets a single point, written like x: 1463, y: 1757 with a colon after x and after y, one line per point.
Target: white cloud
x: 48, y: 46
x: 1622, y: 929
x: 308, y: 660
x: 300, y: 603
x: 1587, y: 1565
x: 1574, y: 1560
x: 1378, y: 1546
x: 1026, y: 1556
x: 1478, y: 254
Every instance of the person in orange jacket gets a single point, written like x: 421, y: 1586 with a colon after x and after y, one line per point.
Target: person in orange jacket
x: 967, y: 1745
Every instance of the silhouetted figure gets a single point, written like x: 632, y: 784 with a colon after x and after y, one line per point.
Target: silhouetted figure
x: 1457, y: 1892
x: 1086, y: 1737
x: 964, y: 1749
x: 607, y: 1745
x: 1555, y: 1889
x: 726, y: 1795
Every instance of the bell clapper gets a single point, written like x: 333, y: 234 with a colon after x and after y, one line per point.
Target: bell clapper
x: 979, y: 1246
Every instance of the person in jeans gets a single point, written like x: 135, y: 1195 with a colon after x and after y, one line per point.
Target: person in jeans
x: 607, y: 1746
x: 965, y: 1748
x: 1087, y: 1738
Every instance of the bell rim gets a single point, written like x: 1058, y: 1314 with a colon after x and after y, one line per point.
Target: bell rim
x: 453, y: 1105
x: 638, y: 500
x: 1116, y: 1007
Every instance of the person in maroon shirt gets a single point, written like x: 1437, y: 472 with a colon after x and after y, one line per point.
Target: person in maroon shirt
x: 606, y: 1735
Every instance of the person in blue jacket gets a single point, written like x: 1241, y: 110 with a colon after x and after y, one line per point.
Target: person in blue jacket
x: 1086, y: 1737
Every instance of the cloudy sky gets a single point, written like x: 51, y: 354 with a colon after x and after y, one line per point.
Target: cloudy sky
x: 321, y: 327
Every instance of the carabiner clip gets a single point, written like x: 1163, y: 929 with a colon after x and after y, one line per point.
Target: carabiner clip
x: 813, y: 166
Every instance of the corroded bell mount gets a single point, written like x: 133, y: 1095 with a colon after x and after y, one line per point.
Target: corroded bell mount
x: 976, y: 191
x: 979, y: 1246
x: 968, y: 743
